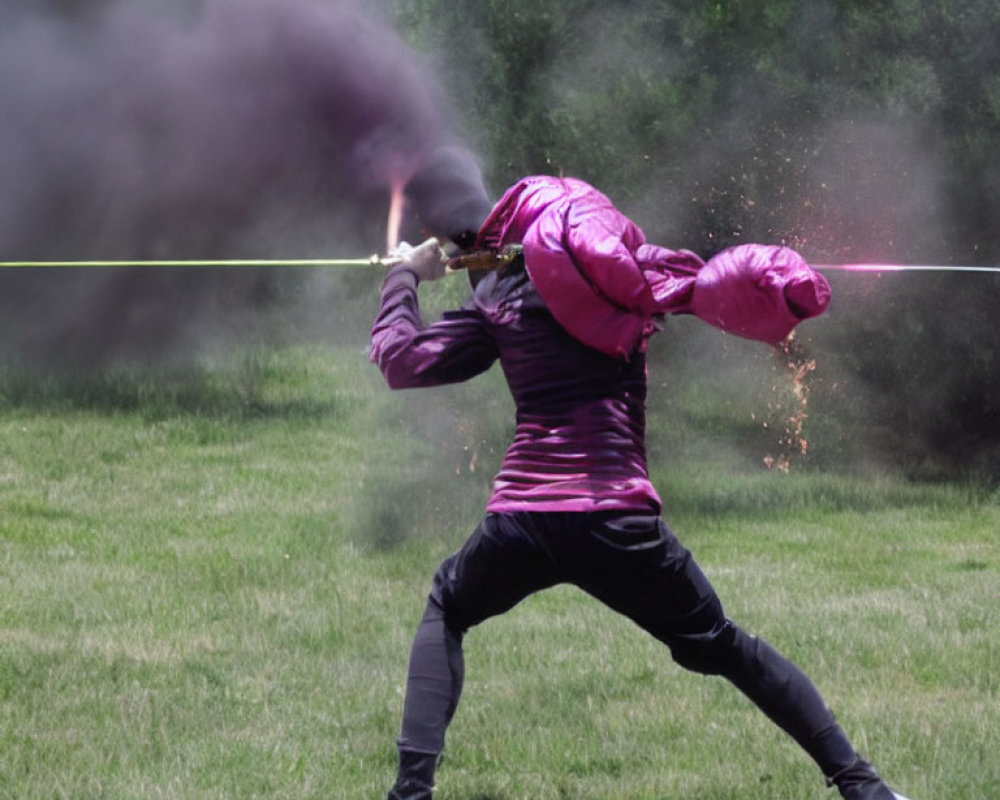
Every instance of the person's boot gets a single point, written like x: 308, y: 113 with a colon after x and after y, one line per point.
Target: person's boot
x: 860, y: 781
x: 415, y: 777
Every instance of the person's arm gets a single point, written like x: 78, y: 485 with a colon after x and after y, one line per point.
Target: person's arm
x: 411, y: 354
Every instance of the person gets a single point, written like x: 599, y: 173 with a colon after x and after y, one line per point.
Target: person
x: 568, y: 319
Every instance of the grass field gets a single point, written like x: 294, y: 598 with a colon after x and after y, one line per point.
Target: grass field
x: 209, y: 580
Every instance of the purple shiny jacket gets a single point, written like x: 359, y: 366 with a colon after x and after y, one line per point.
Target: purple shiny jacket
x: 571, y: 331
x: 579, y: 442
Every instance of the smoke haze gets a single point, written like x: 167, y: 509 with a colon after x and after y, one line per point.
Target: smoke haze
x: 250, y: 129
x: 854, y: 164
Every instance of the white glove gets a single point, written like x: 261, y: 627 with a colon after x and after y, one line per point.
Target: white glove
x: 427, y: 260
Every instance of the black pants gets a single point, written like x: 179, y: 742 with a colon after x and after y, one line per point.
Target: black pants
x: 636, y: 566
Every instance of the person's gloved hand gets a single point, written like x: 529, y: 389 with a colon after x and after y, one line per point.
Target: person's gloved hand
x: 426, y: 260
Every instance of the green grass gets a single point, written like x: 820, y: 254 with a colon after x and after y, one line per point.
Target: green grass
x: 209, y: 580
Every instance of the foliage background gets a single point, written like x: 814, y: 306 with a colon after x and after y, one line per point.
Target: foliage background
x: 851, y: 131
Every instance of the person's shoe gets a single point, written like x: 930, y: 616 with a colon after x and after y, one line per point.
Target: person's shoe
x: 415, y: 778
x: 860, y: 781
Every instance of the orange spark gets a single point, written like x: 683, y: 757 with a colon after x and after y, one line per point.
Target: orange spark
x: 792, y: 407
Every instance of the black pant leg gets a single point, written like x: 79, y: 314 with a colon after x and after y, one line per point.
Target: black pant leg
x: 789, y: 698
x: 433, y: 684
x: 498, y: 566
x: 638, y: 567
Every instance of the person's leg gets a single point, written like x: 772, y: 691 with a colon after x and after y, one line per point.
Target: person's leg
x: 636, y: 566
x: 790, y: 699
x: 433, y: 687
x: 499, y: 565
x: 434, y: 682
x: 786, y: 695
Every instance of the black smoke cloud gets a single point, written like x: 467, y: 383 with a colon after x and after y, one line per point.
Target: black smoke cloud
x: 225, y: 129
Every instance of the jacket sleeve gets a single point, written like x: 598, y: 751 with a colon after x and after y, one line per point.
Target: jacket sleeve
x: 411, y: 354
x: 759, y: 292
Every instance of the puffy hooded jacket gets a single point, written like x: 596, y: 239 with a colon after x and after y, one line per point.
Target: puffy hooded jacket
x: 607, y: 286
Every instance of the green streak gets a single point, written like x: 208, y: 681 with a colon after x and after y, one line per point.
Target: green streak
x: 210, y: 262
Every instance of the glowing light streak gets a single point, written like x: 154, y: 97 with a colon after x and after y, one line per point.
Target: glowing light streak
x: 865, y: 267
x: 392, y: 237
x: 373, y: 260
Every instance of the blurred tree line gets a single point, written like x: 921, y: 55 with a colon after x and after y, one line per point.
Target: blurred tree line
x: 853, y: 131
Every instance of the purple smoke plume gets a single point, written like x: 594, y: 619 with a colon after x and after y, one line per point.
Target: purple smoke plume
x: 250, y: 129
